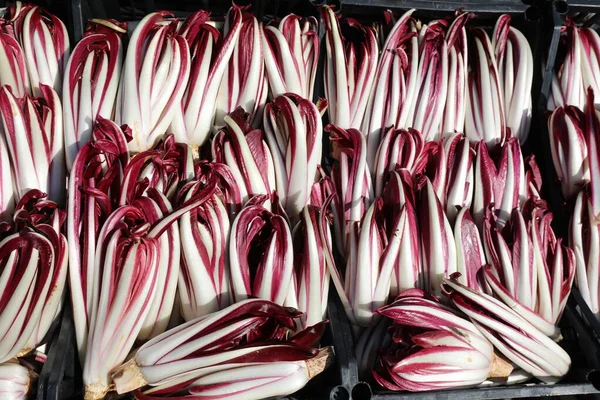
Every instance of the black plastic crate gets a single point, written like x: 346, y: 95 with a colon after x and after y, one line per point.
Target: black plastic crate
x: 61, y: 375
x: 60, y: 8
x: 133, y: 10
x: 339, y: 379
x: 349, y: 383
x: 528, y: 16
x: 583, y: 378
x: 60, y: 378
x: 431, y: 6
x: 535, y: 20
x: 584, y: 13
x: 538, y: 22
x: 325, y: 385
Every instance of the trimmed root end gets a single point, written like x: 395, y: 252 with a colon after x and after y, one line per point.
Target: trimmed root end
x: 32, y: 375
x: 558, y: 337
x: 95, y: 391
x: 500, y: 368
x: 195, y: 152
x: 108, y: 24
x: 320, y: 362
x: 128, y: 377
x: 24, y: 352
x: 29, y: 383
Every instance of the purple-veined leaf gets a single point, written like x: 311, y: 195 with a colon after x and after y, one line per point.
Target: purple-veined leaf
x: 399, y: 149
x: 438, y: 245
x: 12, y: 57
x: 458, y: 51
x: 518, y: 340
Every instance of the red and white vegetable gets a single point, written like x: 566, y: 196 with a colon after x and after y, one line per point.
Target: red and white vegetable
x: 584, y: 239
x: 438, y: 246
x: 454, y: 110
x: 261, y: 257
x: 205, y: 357
x: 395, y: 88
x: 33, y: 277
x: 35, y: 213
x: 94, y: 189
x: 33, y: 131
x: 485, y: 117
x: 568, y: 144
x: 291, y: 52
x: 350, y: 68
x: 500, y: 180
x: 516, y: 338
x: 590, y: 63
x: 515, y: 74
x: 204, y: 281
x: 91, y: 82
x: 45, y: 43
x: 399, y: 149
x: 309, y: 288
x: 244, y: 150
x: 210, y: 55
x: 15, y: 381
x: 12, y: 57
x: 531, y: 271
x: 432, y: 80
x: 154, y: 79
x: 128, y: 263
x: 203, y: 228
x: 351, y: 176
x: 244, y: 83
x: 567, y: 80
x: 294, y: 134
x: 448, y: 352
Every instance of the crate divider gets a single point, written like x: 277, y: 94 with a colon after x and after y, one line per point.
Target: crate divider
x: 60, y: 378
